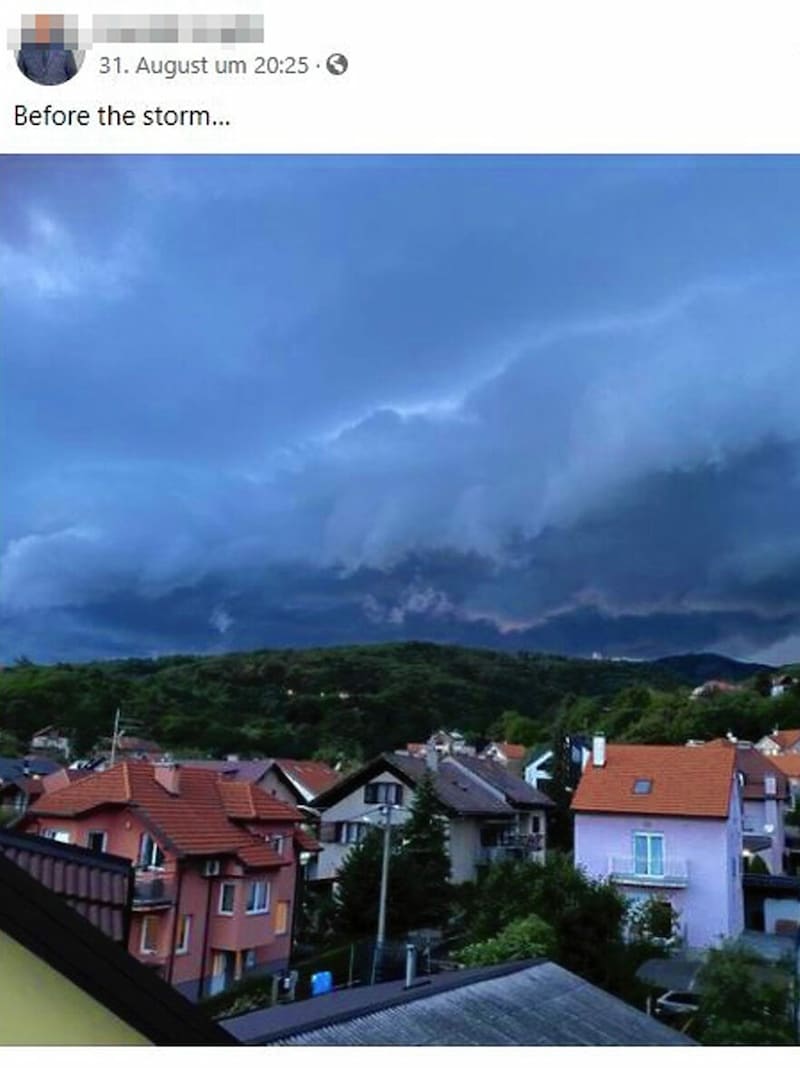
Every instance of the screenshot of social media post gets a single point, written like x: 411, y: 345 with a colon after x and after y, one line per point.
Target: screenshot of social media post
x: 400, y: 484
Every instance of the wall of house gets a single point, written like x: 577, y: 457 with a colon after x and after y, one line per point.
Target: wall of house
x: 780, y: 909
x: 275, y: 786
x: 463, y: 845
x: 236, y: 933
x: 41, y: 1007
x: 760, y: 814
x: 351, y: 809
x: 711, y: 905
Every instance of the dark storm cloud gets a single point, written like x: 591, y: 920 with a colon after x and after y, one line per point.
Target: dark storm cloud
x: 515, y: 402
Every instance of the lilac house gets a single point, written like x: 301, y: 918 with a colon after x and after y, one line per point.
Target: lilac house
x: 665, y: 822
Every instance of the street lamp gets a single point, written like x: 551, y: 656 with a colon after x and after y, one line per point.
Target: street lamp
x: 377, y: 956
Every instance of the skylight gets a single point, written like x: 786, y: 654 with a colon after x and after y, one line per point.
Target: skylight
x: 643, y: 786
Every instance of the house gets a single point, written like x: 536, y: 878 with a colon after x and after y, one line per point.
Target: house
x: 446, y: 743
x: 65, y: 983
x: 788, y: 765
x: 538, y: 767
x: 298, y: 781
x: 508, y: 754
x: 491, y: 814
x: 97, y: 885
x: 712, y: 688
x: 781, y: 684
x: 523, y: 1003
x: 765, y: 797
x: 216, y: 865
x: 127, y: 748
x: 787, y: 741
x: 22, y: 781
x: 51, y: 740
x: 665, y: 822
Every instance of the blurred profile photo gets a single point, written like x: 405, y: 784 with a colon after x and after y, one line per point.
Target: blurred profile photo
x: 48, y: 54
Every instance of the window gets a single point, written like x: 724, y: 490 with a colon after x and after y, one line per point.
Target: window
x: 383, y: 793
x: 151, y: 855
x: 536, y: 824
x: 282, y: 917
x: 643, y: 786
x: 227, y: 899
x: 184, y: 930
x: 57, y: 836
x: 648, y: 854
x: 351, y: 833
x: 149, y: 940
x: 258, y: 896
x: 249, y: 960
x: 96, y: 840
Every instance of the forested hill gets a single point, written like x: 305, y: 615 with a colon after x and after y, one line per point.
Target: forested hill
x: 355, y: 700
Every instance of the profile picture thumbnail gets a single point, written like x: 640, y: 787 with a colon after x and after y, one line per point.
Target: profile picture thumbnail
x: 49, y: 53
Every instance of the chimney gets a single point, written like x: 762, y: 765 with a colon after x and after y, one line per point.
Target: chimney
x: 770, y: 786
x: 431, y: 757
x: 168, y: 776
x: 599, y: 751
x: 232, y: 758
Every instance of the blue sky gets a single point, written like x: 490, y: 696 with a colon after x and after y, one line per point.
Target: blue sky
x: 524, y: 402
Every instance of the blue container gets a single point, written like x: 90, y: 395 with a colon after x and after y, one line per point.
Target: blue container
x: 321, y: 983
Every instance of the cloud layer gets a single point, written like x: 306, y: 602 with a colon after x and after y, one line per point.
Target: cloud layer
x: 531, y: 403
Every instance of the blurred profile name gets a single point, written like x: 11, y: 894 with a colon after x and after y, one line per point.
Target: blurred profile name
x: 176, y: 29
x: 148, y: 29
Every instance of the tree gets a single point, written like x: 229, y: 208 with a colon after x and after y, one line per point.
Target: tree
x: 521, y: 939
x: 742, y: 1001
x: 418, y: 892
x: 424, y: 860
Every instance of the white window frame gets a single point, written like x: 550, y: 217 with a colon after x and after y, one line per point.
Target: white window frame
x: 103, y: 835
x: 256, y: 909
x: 143, y: 947
x: 57, y: 835
x: 148, y: 856
x: 232, y: 909
x: 351, y: 832
x: 185, y: 929
x: 649, y: 869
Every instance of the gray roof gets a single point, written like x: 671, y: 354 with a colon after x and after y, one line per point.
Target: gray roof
x: 238, y: 770
x: 520, y: 1004
x: 13, y: 768
x: 516, y: 790
x: 456, y: 786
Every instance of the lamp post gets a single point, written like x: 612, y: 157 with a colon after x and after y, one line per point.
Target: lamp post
x: 377, y: 956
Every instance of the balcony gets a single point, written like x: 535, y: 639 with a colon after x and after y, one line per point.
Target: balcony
x: 520, y: 847
x: 674, y: 873
x: 153, y: 890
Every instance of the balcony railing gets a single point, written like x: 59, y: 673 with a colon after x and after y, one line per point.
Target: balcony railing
x: 514, y: 849
x: 153, y: 890
x: 671, y: 873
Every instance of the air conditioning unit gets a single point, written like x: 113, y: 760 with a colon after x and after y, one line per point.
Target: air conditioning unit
x: 212, y: 867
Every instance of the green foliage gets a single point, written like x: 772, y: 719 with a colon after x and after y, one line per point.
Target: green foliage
x: 521, y: 939
x: 742, y: 1002
x: 10, y: 745
x: 419, y: 890
x: 351, y: 702
x: 654, y: 919
x: 586, y: 915
x: 756, y: 866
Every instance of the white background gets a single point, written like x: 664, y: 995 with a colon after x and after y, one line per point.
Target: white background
x: 444, y: 76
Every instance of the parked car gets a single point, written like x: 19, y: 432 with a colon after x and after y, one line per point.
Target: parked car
x: 676, y: 1003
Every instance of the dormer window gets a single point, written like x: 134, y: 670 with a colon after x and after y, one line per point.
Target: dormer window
x: 642, y: 786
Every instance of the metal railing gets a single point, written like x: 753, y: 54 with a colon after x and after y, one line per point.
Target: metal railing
x: 668, y: 873
x: 153, y: 890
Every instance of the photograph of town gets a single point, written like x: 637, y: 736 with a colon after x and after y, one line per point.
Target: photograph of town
x: 400, y: 601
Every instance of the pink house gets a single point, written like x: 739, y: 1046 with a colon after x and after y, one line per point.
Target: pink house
x: 216, y: 865
x: 665, y: 822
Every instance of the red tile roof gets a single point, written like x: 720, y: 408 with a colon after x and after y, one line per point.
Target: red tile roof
x: 306, y: 841
x: 787, y: 763
x: 686, y: 781
x: 755, y: 767
x: 199, y: 820
x: 312, y: 776
x: 786, y: 739
x: 510, y: 750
